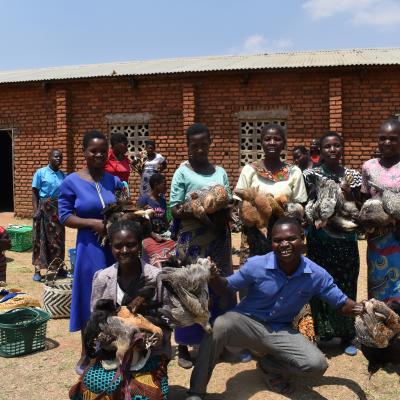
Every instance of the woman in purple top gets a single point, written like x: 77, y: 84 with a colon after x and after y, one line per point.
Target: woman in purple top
x: 83, y: 196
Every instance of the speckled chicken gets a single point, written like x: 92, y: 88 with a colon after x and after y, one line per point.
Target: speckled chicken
x: 188, y: 290
x: 330, y: 210
x: 318, y: 211
x: 205, y: 201
x: 373, y: 217
x: 378, y: 331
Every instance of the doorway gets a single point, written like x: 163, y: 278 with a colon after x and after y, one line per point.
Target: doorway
x: 6, y: 168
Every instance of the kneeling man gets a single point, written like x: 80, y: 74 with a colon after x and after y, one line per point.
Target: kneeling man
x: 279, y: 284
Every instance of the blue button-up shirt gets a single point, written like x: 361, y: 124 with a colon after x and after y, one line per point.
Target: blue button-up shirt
x: 47, y: 182
x: 275, y: 298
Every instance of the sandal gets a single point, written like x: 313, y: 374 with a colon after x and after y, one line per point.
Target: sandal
x: 276, y: 383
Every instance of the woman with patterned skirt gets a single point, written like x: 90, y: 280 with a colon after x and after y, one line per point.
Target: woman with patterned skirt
x: 200, y: 238
x: 383, y: 254
x: 338, y: 254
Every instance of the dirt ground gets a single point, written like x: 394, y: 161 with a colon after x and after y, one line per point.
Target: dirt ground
x: 49, y: 374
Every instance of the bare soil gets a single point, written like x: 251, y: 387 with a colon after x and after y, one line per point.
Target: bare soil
x: 49, y: 374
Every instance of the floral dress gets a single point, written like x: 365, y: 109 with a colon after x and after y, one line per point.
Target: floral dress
x: 339, y: 256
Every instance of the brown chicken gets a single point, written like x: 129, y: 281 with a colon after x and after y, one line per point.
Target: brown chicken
x: 257, y: 207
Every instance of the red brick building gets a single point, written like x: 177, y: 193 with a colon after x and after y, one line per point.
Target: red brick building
x: 350, y: 91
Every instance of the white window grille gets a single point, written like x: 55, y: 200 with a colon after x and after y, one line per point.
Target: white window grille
x: 250, y: 143
x: 136, y: 134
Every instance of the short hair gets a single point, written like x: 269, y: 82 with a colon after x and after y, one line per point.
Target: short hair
x: 195, y: 129
x: 150, y: 141
x: 301, y: 148
x: 125, y: 225
x: 156, y: 179
x: 273, y: 126
x: 330, y: 134
x: 288, y: 221
x: 117, y: 138
x: 53, y: 150
x: 391, y: 121
x: 90, y: 135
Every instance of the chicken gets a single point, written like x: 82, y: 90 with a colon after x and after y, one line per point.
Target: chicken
x: 318, y: 211
x: 391, y: 203
x: 206, y: 201
x: 294, y: 210
x: 139, y: 161
x: 117, y: 334
x: 110, y: 332
x: 189, y: 296
x: 378, y: 331
x: 124, y: 210
x: 138, y: 321
x: 330, y: 210
x: 372, y: 216
x: 258, y: 208
x: 390, y: 200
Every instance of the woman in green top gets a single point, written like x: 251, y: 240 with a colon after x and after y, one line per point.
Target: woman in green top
x: 199, y: 238
x: 338, y: 254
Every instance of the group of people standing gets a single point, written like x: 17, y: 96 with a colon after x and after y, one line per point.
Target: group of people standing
x: 274, y: 279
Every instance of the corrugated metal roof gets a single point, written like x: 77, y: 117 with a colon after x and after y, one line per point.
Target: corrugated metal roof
x: 309, y: 59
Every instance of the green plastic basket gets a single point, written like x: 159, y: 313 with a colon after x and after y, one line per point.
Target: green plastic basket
x: 22, y: 331
x: 21, y: 237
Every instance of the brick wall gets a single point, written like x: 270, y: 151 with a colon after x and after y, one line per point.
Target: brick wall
x: 311, y: 100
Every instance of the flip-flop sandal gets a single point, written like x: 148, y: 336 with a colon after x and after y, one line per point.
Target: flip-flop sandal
x: 276, y: 383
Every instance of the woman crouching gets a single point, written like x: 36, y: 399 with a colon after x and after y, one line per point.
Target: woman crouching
x: 129, y: 352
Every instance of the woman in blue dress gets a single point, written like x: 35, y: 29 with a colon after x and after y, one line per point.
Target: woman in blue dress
x: 83, y: 196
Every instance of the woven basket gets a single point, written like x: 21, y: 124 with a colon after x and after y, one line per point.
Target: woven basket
x: 57, y: 297
x: 22, y: 331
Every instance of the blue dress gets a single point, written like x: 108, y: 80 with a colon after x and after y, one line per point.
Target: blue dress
x: 79, y: 197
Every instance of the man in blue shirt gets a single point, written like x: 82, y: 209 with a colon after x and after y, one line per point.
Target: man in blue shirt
x: 48, y: 232
x: 279, y: 284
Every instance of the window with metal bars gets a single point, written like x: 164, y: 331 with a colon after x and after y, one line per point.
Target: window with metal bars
x: 250, y: 143
x: 136, y: 134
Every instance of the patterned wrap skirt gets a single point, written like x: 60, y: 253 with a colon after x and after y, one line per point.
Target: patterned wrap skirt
x: 149, y: 383
x: 48, y: 234
x: 340, y: 257
x: 194, y: 241
x: 383, y: 258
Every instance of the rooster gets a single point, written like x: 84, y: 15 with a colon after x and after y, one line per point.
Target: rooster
x: 187, y: 286
x: 378, y: 331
